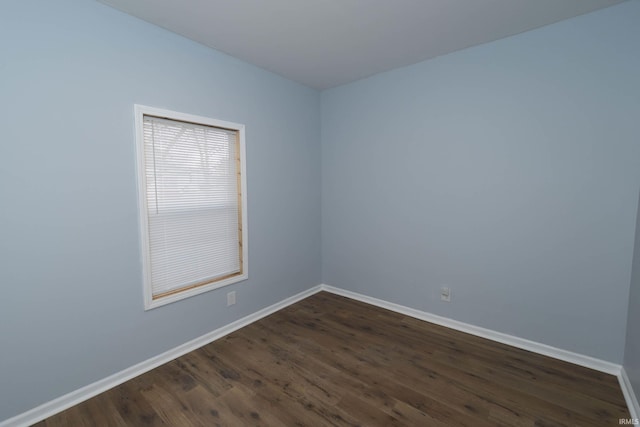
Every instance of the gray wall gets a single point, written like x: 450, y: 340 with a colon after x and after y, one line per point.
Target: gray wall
x: 508, y: 171
x: 71, y: 310
x: 632, y: 347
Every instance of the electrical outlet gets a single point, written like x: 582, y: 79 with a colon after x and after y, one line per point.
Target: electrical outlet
x: 231, y: 298
x: 445, y: 294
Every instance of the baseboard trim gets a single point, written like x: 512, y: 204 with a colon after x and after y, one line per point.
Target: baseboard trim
x: 629, y: 395
x: 546, y: 350
x: 556, y: 353
x: 66, y: 401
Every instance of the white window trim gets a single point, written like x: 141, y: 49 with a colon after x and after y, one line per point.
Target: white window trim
x: 140, y: 112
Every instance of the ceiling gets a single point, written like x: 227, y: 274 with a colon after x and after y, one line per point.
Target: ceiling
x: 327, y: 43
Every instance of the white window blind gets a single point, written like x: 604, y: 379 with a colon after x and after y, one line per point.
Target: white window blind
x: 192, y: 191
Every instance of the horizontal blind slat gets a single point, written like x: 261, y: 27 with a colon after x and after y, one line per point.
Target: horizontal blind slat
x: 192, y: 197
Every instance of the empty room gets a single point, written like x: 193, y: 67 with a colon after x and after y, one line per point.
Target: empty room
x: 322, y: 212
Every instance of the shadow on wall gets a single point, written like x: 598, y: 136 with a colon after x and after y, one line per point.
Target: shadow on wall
x: 632, y: 342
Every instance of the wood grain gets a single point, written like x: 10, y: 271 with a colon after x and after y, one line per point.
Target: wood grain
x: 332, y: 361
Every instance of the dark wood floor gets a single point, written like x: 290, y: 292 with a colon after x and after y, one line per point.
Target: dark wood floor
x: 332, y: 361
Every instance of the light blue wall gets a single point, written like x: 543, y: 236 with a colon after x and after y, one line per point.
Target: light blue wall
x: 632, y: 347
x: 508, y: 171
x: 71, y: 309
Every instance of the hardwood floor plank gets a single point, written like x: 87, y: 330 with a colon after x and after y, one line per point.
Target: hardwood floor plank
x: 332, y: 361
x: 376, y: 394
x: 196, y: 365
x: 473, y: 361
x: 132, y: 406
x: 365, y: 414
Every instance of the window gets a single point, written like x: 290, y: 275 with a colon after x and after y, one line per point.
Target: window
x: 192, y: 198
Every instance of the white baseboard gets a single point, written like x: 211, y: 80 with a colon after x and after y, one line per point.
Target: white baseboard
x: 52, y: 407
x: 546, y: 350
x: 64, y: 402
x: 629, y: 395
x: 556, y: 353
